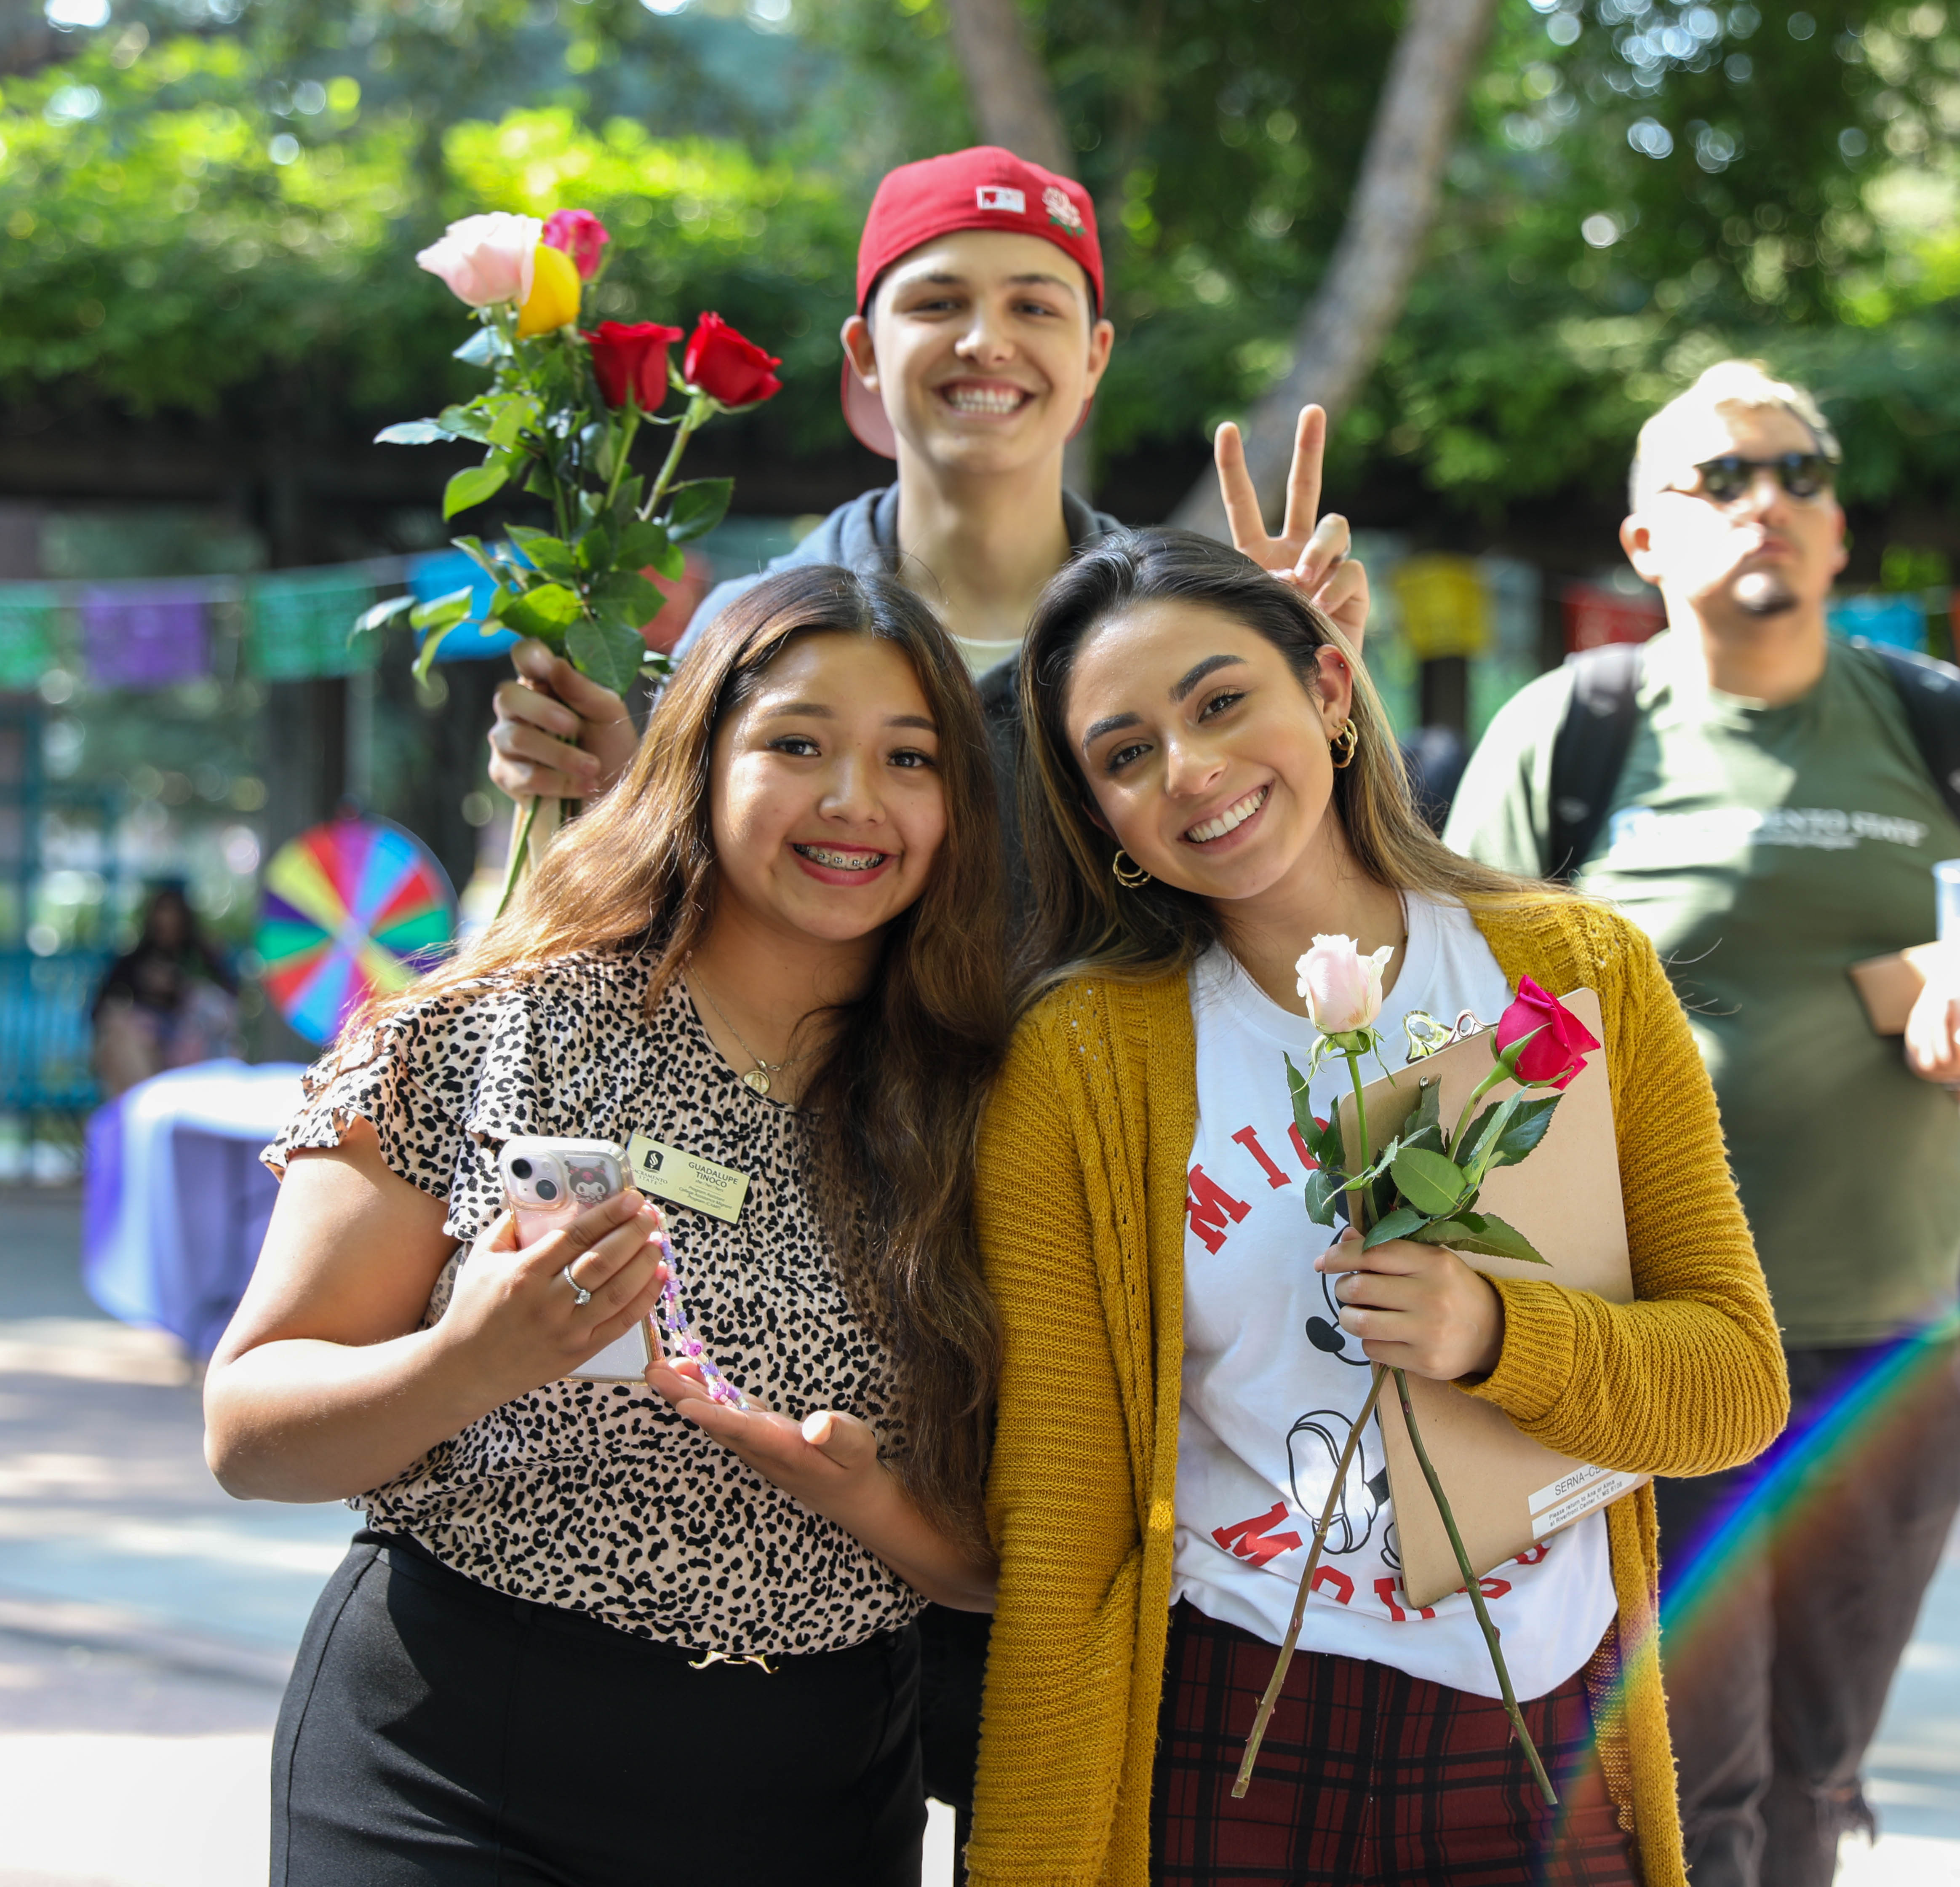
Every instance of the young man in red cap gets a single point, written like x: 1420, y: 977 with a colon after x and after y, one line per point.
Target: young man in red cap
x: 977, y: 346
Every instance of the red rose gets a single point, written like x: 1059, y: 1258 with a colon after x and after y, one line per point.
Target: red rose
x: 631, y: 357
x: 1558, y: 1051
x: 581, y: 235
x: 727, y: 367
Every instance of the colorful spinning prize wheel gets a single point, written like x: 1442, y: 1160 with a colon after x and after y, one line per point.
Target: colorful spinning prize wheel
x: 353, y: 908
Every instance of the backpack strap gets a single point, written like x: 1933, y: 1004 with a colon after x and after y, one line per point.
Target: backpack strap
x: 1590, y: 750
x: 1929, y: 692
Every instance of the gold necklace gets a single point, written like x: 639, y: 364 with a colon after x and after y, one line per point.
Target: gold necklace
x: 757, y: 1079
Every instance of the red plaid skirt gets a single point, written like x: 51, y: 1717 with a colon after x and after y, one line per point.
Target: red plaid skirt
x: 1368, y: 1776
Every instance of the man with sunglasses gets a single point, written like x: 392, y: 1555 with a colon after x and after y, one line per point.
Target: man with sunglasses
x: 1763, y: 801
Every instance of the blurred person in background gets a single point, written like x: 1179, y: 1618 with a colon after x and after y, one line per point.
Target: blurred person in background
x: 1767, y: 804
x: 169, y: 1003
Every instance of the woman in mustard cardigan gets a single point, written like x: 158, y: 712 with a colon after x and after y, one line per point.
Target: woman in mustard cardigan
x: 1209, y: 783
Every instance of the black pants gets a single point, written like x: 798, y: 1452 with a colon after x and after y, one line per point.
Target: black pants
x: 952, y: 1667
x: 1785, y: 1615
x: 437, y: 1734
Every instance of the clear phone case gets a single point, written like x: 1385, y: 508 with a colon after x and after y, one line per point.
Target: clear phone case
x: 548, y: 1182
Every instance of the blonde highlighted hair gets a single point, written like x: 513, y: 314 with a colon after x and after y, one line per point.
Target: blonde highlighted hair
x: 1083, y: 919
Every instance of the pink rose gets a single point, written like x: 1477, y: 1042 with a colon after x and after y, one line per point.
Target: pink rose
x: 1342, y: 988
x: 485, y: 259
x: 581, y: 235
x: 1557, y: 1052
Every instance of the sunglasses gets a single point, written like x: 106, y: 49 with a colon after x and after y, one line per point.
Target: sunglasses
x: 1803, y: 475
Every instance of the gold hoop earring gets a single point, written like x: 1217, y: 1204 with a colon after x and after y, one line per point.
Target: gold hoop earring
x: 1342, y: 747
x: 1128, y: 873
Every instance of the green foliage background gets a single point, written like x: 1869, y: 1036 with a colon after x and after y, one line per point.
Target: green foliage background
x: 217, y: 215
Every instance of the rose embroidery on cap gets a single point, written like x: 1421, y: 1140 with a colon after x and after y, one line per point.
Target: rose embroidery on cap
x: 1061, y: 207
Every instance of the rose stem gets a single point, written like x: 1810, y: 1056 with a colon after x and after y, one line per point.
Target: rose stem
x: 1278, y: 1678
x: 1357, y: 1207
x: 1357, y: 1196
x: 622, y: 450
x: 520, y: 850
x: 1475, y: 1589
x: 696, y: 413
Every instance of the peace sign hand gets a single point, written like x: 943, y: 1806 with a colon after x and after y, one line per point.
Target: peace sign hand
x: 1311, y: 557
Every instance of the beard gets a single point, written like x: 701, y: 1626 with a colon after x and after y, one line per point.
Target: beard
x: 1762, y: 593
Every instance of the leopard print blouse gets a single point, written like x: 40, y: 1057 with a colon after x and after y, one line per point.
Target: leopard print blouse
x: 596, y: 1496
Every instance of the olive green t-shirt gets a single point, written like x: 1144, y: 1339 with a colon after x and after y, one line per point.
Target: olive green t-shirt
x: 1764, y: 850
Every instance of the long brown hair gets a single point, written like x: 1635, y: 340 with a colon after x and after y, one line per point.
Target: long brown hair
x: 1083, y: 917
x: 892, y: 1108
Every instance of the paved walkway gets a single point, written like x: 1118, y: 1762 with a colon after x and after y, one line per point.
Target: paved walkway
x: 147, y: 1620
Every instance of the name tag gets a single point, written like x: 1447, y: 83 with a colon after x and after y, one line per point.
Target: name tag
x: 686, y: 1179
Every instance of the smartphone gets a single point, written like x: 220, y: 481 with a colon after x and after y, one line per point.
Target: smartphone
x: 548, y: 1182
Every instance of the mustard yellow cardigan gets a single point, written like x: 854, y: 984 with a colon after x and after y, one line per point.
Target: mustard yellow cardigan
x: 1080, y: 1204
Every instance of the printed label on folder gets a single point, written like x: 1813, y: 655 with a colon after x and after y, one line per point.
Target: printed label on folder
x: 1572, y: 1506
x: 686, y: 1179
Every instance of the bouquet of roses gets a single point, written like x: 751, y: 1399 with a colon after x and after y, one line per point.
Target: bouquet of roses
x: 1423, y: 1186
x: 559, y: 421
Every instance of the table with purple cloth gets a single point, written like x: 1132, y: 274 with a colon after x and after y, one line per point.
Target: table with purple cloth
x: 174, y: 1201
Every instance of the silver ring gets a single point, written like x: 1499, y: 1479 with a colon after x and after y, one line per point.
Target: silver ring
x: 580, y: 1295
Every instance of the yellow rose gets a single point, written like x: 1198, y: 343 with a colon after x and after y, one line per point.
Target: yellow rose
x: 553, y: 302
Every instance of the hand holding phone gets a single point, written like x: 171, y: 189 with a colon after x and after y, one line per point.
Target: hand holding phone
x: 548, y: 1181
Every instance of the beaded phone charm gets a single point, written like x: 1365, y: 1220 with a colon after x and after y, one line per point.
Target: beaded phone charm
x: 677, y: 1333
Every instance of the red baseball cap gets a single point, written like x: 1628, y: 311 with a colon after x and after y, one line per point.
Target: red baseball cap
x: 984, y: 187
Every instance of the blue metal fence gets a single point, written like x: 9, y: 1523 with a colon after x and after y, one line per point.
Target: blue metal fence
x: 45, y: 1036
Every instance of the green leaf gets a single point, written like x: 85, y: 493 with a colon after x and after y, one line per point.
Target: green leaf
x: 468, y: 421
x: 425, y: 655
x: 1490, y: 1237
x: 547, y: 553
x: 646, y: 547
x: 608, y: 652
x: 509, y: 415
x: 1527, y: 1128
x: 413, y: 432
x: 473, y: 549
x: 1322, y: 1189
x: 1403, y: 1222
x: 382, y: 614
x: 480, y: 350
x: 1429, y: 1182
x: 630, y: 596
x: 441, y: 612
x: 695, y: 508
x: 435, y: 619
x: 547, y: 611
x: 1478, y: 1135
x: 471, y: 485
x: 1427, y: 1110
x: 1302, y: 1106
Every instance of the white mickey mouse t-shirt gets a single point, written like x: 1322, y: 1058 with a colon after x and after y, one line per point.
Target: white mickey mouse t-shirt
x: 1272, y: 1386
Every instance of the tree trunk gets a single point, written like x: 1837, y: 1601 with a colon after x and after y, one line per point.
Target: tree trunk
x: 1343, y: 329
x: 1013, y: 103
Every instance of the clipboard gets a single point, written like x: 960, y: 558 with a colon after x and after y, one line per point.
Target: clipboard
x: 1509, y: 1493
